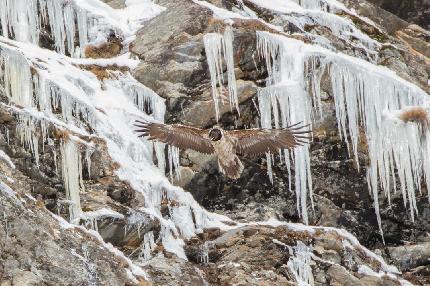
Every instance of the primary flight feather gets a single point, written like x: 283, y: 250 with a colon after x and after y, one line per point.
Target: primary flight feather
x: 226, y: 144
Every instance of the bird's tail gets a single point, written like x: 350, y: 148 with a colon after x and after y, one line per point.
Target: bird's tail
x: 232, y: 168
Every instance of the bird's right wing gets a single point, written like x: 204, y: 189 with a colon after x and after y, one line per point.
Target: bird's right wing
x: 254, y: 142
x: 181, y: 136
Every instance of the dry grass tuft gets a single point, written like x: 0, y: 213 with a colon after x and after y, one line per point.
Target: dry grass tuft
x: 63, y: 134
x: 106, y: 50
x: 104, y: 72
x: 417, y: 115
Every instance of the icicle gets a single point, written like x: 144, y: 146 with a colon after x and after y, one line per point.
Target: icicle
x: 229, y: 59
x: 218, y: 48
x: 22, y: 20
x: 145, y: 99
x: 393, y: 145
x: 28, y: 135
x: 7, y: 136
x: 203, y: 257
x: 213, y: 47
x: 17, y: 77
x: 72, y: 177
x: 19, y: 19
x: 88, y: 152
x: 82, y: 20
x: 174, y: 164
x: 148, y: 245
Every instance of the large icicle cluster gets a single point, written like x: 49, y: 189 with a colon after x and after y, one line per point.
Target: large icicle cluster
x: 72, y: 23
x: 107, y: 111
x: 23, y: 21
x: 364, y: 94
x: 286, y: 101
x: 219, y: 48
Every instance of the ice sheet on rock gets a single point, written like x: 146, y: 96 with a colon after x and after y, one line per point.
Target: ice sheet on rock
x: 299, y: 264
x: 101, y: 214
x: 363, y: 269
x: 8, y: 192
x: 316, y: 13
x: 92, y: 217
x: 341, y: 27
x: 288, y: 6
x: 219, y: 12
x: 219, y: 49
x: 124, y: 60
x: 6, y: 158
x: 229, y: 16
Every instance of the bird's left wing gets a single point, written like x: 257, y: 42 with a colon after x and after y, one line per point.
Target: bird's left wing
x: 181, y: 136
x: 254, y: 142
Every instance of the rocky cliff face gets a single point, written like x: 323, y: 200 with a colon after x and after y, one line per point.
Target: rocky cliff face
x: 416, y: 12
x: 67, y: 150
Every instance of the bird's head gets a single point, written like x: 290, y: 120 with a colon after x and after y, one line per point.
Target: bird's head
x: 215, y: 134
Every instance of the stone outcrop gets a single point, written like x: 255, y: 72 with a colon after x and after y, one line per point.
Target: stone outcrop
x: 413, y: 11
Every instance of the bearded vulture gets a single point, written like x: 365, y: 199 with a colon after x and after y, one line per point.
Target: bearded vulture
x: 226, y: 144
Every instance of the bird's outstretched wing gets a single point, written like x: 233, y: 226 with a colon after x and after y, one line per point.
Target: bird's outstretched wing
x: 181, y: 136
x: 253, y: 142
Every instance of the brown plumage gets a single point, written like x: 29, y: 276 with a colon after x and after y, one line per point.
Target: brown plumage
x: 226, y: 144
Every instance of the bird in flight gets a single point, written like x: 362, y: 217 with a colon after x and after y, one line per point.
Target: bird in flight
x: 227, y: 144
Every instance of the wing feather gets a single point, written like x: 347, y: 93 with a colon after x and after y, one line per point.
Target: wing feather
x: 257, y: 141
x: 181, y: 136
